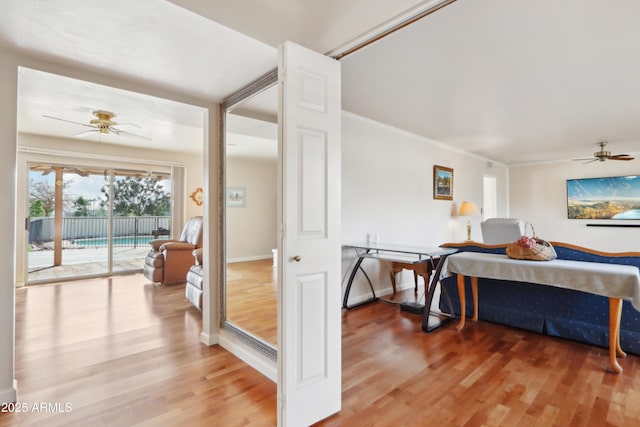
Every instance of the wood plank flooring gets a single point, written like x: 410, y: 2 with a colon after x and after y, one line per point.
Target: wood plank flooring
x: 486, y: 375
x: 123, y: 352
x: 252, y: 297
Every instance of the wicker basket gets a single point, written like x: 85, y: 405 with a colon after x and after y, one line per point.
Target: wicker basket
x: 531, y: 248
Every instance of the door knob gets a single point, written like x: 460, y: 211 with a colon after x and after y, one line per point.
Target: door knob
x: 297, y: 258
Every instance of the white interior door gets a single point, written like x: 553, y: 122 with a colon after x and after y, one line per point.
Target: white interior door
x: 309, y: 322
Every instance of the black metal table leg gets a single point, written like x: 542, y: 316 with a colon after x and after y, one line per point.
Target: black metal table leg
x: 352, y: 276
x: 426, y: 313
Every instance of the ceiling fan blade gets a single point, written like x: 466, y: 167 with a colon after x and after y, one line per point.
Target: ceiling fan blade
x: 120, y: 131
x: 621, y: 157
x: 129, y: 124
x: 591, y: 161
x: 68, y: 121
x: 83, y: 134
x: 588, y: 158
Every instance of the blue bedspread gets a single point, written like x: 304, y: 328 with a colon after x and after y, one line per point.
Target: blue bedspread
x: 564, y: 313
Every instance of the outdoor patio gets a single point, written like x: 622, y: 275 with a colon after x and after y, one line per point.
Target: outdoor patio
x: 84, y: 262
x: 85, y: 245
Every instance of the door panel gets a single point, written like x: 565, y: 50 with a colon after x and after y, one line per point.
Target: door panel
x: 312, y: 152
x: 309, y: 329
x: 312, y: 311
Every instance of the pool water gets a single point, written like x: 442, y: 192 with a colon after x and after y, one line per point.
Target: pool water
x: 117, y: 241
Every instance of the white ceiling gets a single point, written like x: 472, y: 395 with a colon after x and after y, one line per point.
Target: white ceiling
x: 164, y: 122
x: 150, y: 41
x: 514, y: 81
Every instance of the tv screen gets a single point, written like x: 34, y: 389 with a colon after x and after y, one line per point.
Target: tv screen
x: 615, y: 197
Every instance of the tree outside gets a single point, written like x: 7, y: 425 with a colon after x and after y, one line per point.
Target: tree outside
x: 86, y: 205
x: 37, y: 209
x: 133, y: 196
x: 137, y: 196
x: 45, y: 191
x: 81, y: 207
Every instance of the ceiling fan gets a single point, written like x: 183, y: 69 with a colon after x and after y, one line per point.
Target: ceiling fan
x: 102, y: 124
x: 602, y: 155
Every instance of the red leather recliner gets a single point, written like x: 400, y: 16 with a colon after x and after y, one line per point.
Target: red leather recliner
x: 169, y: 260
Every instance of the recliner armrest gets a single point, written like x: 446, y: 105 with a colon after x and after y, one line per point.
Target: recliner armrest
x: 156, y: 243
x: 177, y: 246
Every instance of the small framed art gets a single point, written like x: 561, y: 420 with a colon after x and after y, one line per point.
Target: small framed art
x: 442, y: 183
x: 236, y: 197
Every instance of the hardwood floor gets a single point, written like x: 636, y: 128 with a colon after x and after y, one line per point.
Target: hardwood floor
x: 486, y: 375
x: 252, y: 297
x: 123, y: 352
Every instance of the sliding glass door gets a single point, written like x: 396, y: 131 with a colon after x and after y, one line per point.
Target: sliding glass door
x: 141, y: 211
x: 88, y: 221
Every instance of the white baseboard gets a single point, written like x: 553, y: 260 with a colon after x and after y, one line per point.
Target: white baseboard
x: 366, y: 293
x: 9, y: 395
x: 258, y: 361
x: 249, y: 258
x: 208, y: 339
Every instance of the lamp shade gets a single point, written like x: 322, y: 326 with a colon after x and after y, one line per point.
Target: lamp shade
x: 468, y: 209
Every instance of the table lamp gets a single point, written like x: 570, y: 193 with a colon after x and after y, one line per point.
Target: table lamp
x: 468, y: 209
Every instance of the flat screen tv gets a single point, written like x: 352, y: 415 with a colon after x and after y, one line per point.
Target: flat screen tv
x: 615, y: 197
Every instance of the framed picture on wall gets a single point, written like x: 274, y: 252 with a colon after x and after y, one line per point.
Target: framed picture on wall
x: 442, y: 183
x: 236, y: 197
x: 615, y: 197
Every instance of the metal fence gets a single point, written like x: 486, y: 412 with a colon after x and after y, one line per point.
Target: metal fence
x: 93, y: 231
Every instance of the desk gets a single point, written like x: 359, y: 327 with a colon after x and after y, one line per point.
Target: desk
x: 414, y: 256
x: 614, y: 281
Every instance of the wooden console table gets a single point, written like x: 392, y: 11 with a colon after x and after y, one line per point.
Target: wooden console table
x: 614, y: 281
x: 420, y: 259
x: 422, y: 269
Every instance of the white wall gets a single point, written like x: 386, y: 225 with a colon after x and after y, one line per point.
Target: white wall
x: 252, y: 230
x: 9, y: 63
x: 538, y: 195
x: 387, y: 188
x: 8, y: 100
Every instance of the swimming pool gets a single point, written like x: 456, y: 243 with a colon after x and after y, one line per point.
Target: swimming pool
x: 117, y: 241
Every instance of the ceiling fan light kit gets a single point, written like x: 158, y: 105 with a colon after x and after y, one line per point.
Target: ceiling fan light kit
x: 103, y: 121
